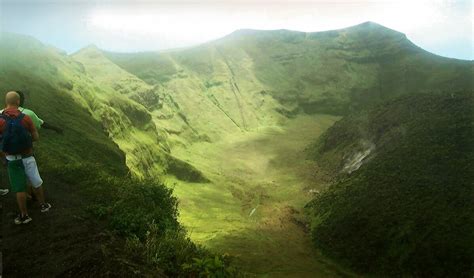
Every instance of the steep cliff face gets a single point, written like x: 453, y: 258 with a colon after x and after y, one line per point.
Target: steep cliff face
x: 124, y: 114
x: 255, y: 78
x: 115, y: 101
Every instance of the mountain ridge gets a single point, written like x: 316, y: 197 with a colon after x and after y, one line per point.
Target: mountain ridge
x: 165, y: 113
x: 359, y: 26
x: 244, y: 31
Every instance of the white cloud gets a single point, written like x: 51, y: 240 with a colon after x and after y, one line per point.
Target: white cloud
x: 151, y: 26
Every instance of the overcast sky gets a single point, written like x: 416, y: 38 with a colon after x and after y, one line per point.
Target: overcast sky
x: 440, y: 26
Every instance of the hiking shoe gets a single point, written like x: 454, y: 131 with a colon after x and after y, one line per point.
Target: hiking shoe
x: 4, y: 192
x: 45, y: 207
x: 22, y: 219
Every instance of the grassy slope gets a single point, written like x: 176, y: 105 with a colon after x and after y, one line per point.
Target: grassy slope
x: 248, y: 82
x: 40, y: 71
x: 86, y: 179
x: 312, y: 72
x: 356, y: 66
x: 128, y: 121
x: 252, y: 207
x: 217, y: 96
x: 63, y: 162
x: 408, y: 210
x: 257, y: 79
x: 127, y: 113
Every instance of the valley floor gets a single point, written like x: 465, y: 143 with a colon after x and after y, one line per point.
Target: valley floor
x: 252, y: 209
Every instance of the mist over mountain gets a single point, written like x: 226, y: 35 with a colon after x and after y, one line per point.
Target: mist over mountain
x: 372, y: 131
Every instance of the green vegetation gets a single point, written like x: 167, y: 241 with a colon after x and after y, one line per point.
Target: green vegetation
x: 252, y: 207
x: 408, y: 210
x: 154, y: 238
x: 325, y: 72
x: 254, y: 80
x: 85, y: 173
x: 227, y: 125
x: 126, y: 109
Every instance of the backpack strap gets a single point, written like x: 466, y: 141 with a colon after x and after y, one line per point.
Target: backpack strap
x: 6, y: 117
x: 21, y: 116
x: 11, y: 120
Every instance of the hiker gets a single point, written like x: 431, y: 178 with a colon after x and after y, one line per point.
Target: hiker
x: 19, y: 132
x: 39, y: 123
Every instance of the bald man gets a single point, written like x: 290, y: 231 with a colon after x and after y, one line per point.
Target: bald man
x: 18, y: 133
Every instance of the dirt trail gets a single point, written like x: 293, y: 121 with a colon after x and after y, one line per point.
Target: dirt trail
x: 61, y: 242
x: 261, y: 181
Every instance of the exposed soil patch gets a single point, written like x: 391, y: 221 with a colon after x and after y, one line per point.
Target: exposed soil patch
x: 63, y: 242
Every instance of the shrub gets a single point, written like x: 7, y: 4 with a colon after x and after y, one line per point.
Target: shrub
x: 408, y: 211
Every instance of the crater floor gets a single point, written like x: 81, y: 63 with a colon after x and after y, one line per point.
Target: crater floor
x: 252, y: 209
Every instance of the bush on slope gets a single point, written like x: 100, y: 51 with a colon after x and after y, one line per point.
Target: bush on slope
x: 408, y: 210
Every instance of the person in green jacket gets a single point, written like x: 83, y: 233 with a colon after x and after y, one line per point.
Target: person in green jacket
x: 37, y: 121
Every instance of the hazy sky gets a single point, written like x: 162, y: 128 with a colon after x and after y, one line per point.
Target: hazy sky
x: 442, y: 27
